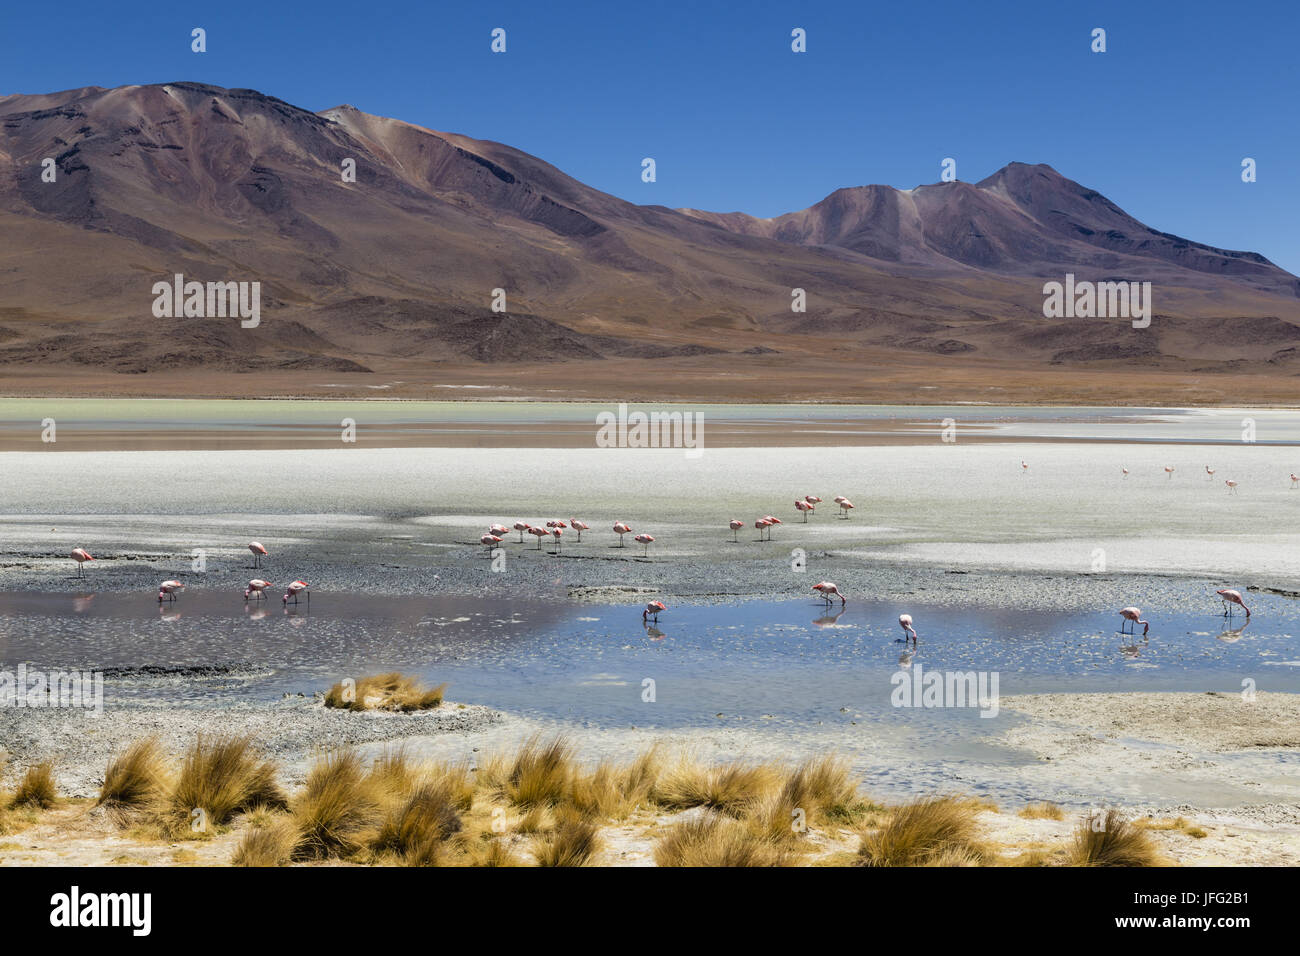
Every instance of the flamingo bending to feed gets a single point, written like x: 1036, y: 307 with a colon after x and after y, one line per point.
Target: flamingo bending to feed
x: 735, y: 525
x: 81, y: 556
x: 828, y: 591
x: 168, y: 590
x: 294, y: 590
x: 845, y: 507
x: 521, y: 527
x: 645, y: 539
x: 539, y: 533
x: 1134, y: 615
x: 652, y: 610
x: 256, y: 588
x: 905, y: 622
x: 1232, y: 486
x: 578, y: 526
x: 1231, y: 597
x: 805, y: 507
x: 258, y: 552
x: 621, y: 528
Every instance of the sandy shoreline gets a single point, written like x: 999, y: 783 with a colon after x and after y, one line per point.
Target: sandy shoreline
x: 1075, y: 737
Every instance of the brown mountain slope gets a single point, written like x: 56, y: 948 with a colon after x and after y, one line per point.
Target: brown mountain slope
x: 390, y: 278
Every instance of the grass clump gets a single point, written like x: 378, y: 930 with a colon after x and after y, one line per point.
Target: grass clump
x: 270, y: 845
x: 714, y: 840
x: 734, y: 788
x: 339, y: 803
x: 416, y: 829
x: 1042, y: 811
x: 1111, y: 841
x: 539, y: 775
x: 392, y: 691
x: 574, y: 842
x: 136, y: 778
x: 934, y: 831
x: 36, y: 789
x: 221, y: 777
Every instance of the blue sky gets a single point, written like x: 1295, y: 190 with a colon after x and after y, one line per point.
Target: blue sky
x: 735, y: 121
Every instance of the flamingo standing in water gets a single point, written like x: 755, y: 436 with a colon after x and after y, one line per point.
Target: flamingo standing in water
x: 521, y: 527
x: 652, y: 610
x: 805, y: 507
x: 168, y: 590
x: 647, y: 540
x: 257, y: 588
x: 1134, y: 615
x: 828, y: 591
x: 1231, y: 597
x: 735, y: 525
x: 258, y: 552
x: 295, y: 589
x: 1232, y: 486
x: 539, y: 533
x: 845, y: 506
x: 621, y: 528
x: 762, y: 524
x: 81, y: 556
x: 578, y: 526
x: 905, y: 622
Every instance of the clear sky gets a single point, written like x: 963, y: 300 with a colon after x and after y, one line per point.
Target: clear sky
x: 735, y: 120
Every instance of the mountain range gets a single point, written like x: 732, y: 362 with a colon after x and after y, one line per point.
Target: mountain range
x: 387, y: 282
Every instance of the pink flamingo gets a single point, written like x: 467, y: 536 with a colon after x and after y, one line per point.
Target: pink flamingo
x: 905, y: 622
x: 845, y: 506
x: 1134, y: 615
x: 1232, y: 486
x: 812, y: 499
x: 1125, y: 470
x: 828, y: 591
x: 296, y: 588
x: 652, y: 610
x: 257, y: 587
x: 579, y: 527
x: 81, y: 556
x: 762, y: 524
x: 499, y: 530
x: 258, y: 551
x: 1024, y: 466
x: 1295, y: 480
x: 490, y: 541
x: 621, y: 528
x: 805, y: 507
x: 539, y: 533
x: 521, y: 527
x: 771, y: 520
x: 1229, y: 598
x: 1209, y: 473
x: 735, y: 525
x: 647, y: 540
x: 558, y: 532
x: 1169, y: 471
x: 168, y: 590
